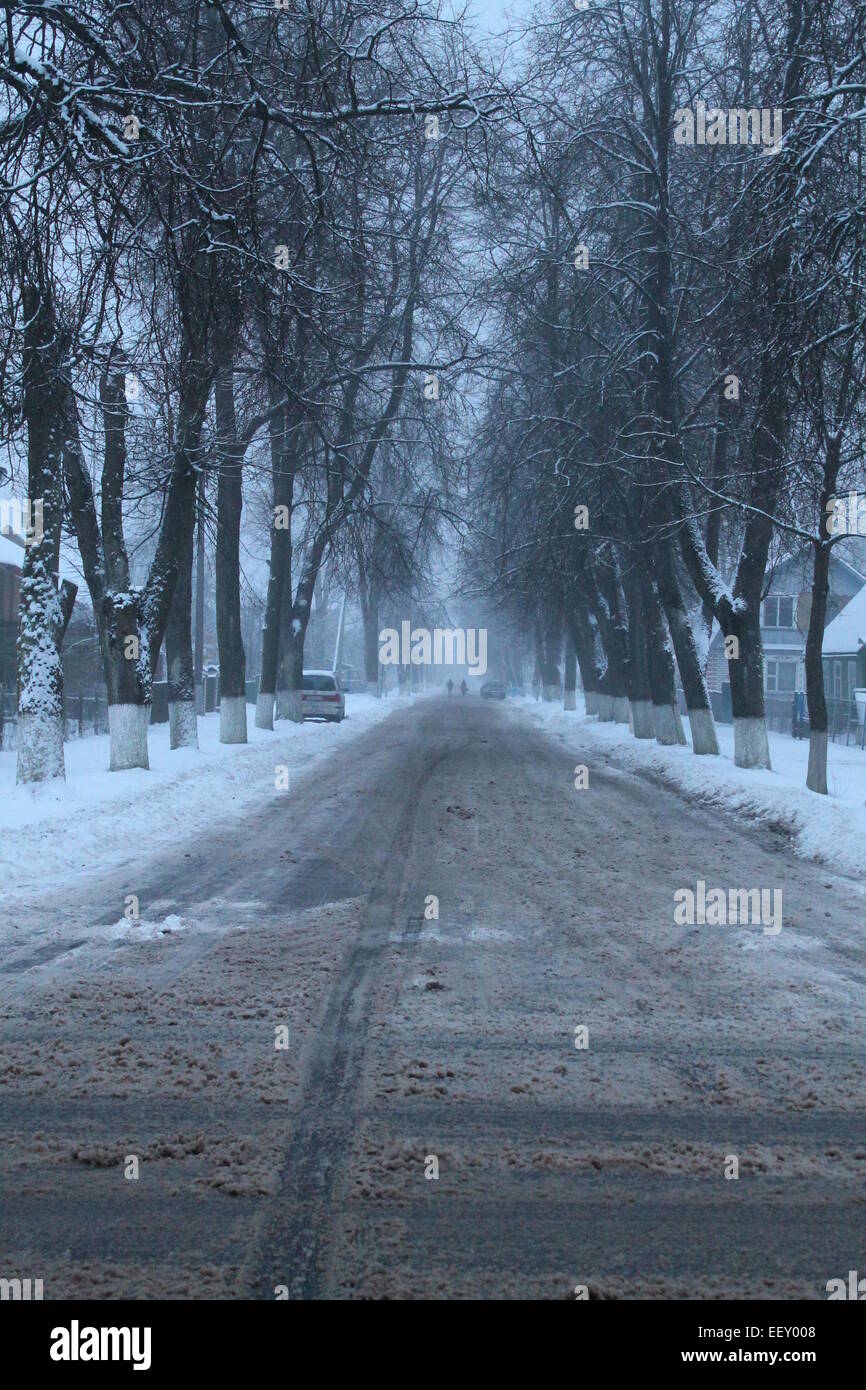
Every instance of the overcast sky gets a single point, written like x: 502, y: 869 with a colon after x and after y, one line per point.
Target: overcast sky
x: 492, y: 14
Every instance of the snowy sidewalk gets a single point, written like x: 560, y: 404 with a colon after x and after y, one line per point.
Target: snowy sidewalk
x: 53, y: 831
x: 829, y: 829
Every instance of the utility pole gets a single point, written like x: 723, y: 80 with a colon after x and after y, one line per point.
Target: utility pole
x: 339, y: 642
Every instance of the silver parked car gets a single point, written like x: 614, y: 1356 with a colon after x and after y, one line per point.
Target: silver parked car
x: 322, y: 697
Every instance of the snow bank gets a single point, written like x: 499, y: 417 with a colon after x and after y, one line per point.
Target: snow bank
x: 140, y: 930
x: 95, y: 819
x: 829, y: 829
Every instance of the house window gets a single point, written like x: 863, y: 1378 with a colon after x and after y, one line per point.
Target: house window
x: 779, y: 611
x: 837, y: 680
x: 781, y: 677
x: 852, y: 678
x: 716, y: 672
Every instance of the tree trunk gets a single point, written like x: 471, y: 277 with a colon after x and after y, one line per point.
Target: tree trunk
x: 751, y: 745
x: 660, y: 665
x: 583, y: 635
x: 280, y: 566
x: 126, y: 665
x: 117, y: 607
x: 232, y: 658
x: 370, y: 615
x: 550, y: 641
x: 569, y: 686
x: 296, y: 632
x: 44, y: 614
x: 290, y: 692
x: 698, y: 705
x: 288, y: 699
x: 183, y: 725
x: 816, y: 773
x: 604, y: 699
x: 725, y: 410
x: 640, y: 690
x: 280, y: 559
x: 45, y: 606
x: 608, y: 607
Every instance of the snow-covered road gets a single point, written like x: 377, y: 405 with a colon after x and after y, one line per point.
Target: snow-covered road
x: 418, y: 1044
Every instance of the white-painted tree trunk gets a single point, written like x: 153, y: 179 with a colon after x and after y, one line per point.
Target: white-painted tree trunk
x: 373, y: 689
x: 569, y: 700
x: 642, y: 724
x: 182, y: 724
x: 233, y: 719
x: 605, y: 708
x: 703, y: 729
x: 39, y: 739
x: 550, y: 693
x: 290, y: 706
x: 816, y: 773
x: 265, y: 712
x: 751, y: 745
x: 620, y: 709
x: 591, y: 701
x: 41, y: 622
x: 127, y: 736
x: 681, y: 733
x: 667, y: 725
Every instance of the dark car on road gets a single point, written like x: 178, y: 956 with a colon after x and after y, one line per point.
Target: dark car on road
x: 493, y: 690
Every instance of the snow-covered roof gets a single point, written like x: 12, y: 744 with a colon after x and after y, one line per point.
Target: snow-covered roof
x: 853, y: 554
x: 848, y: 628
x: 10, y: 553
x: 797, y: 569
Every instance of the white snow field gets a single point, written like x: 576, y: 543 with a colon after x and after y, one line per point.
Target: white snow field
x: 829, y: 829
x: 55, y: 830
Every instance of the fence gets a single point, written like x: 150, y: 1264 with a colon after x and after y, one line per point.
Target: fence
x: 85, y: 712
x: 843, y: 725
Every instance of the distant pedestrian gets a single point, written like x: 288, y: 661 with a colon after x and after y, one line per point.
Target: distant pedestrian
x: 799, y: 715
x: 450, y: 684
x: 463, y: 687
